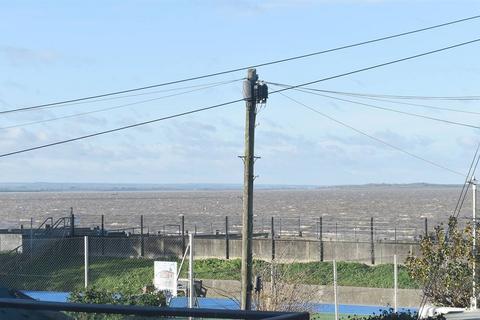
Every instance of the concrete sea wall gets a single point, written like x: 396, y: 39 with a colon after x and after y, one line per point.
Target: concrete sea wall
x: 284, y: 250
x: 303, y: 250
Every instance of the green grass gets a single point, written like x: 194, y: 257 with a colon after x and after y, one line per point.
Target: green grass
x: 320, y: 273
x: 64, y: 273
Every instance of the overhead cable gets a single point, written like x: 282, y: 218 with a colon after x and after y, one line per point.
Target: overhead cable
x: 194, y: 88
x: 419, y: 105
x: 379, y: 65
x: 226, y: 103
x: 368, y: 97
x: 461, y: 124
x: 257, y: 65
x: 138, y: 124
x: 75, y: 115
x: 404, y: 97
x: 373, y: 137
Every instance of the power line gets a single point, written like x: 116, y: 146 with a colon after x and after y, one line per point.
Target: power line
x: 395, y: 102
x: 394, y: 110
x: 389, y: 96
x: 273, y: 92
x: 256, y: 65
x: 109, y: 108
x: 379, y: 65
x: 198, y: 87
x: 373, y: 137
x: 461, y: 124
x: 466, y: 189
x: 119, y: 128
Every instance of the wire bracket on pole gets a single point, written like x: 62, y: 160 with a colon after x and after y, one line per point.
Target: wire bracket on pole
x: 255, y: 158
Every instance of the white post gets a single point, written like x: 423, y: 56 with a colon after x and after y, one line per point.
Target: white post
x: 85, y: 246
x: 335, y: 288
x: 191, y: 284
x: 395, y: 283
x: 31, y: 237
x: 473, y: 303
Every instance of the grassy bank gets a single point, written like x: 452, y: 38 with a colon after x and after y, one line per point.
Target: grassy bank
x: 66, y: 273
x: 319, y: 273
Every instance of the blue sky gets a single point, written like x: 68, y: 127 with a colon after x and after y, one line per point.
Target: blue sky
x: 55, y: 50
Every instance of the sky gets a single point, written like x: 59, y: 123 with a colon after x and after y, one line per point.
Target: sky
x: 60, y: 50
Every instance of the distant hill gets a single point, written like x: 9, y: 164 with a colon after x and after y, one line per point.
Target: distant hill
x: 400, y: 185
x: 77, y: 187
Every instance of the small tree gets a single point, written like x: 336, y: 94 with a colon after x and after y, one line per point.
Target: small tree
x: 445, y: 265
x: 284, y: 290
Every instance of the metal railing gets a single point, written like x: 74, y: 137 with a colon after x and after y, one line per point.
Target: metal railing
x: 150, y: 311
x: 298, y: 225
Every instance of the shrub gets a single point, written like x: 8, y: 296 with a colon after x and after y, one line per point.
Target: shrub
x: 102, y: 296
x: 445, y: 265
x: 390, y: 315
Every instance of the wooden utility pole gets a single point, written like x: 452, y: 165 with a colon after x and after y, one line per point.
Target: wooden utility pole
x: 253, y: 92
x: 247, y: 218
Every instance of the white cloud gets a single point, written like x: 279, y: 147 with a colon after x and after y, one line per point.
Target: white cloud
x: 19, y: 56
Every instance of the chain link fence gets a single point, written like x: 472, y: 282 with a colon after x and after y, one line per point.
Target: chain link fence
x: 44, y: 264
x: 322, y: 227
x: 126, y: 264
x: 65, y: 264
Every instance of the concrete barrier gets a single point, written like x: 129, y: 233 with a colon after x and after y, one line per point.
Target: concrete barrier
x: 304, y: 250
x: 286, y: 250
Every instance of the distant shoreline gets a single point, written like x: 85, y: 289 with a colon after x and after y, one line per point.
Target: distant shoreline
x: 134, y: 187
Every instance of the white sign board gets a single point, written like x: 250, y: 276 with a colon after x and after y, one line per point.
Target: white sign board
x: 165, y: 276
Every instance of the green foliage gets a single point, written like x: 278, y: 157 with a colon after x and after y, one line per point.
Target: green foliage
x: 92, y: 295
x: 122, y: 275
x: 391, y: 315
x: 222, y: 269
x: 102, y: 296
x: 445, y: 265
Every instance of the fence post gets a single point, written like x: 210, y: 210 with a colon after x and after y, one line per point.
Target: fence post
x: 86, y: 262
x: 395, y: 283
x: 426, y: 227
x: 103, y: 234
x: 299, y: 228
x: 395, y: 239
x: 182, y: 224
x: 336, y: 232
x: 191, y: 283
x: 335, y: 293
x: 272, y: 231
x: 31, y: 237
x: 320, y: 235
x: 280, y: 233
x: 72, y: 223
x: 372, y: 246
x: 227, y: 242
x: 142, y: 244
